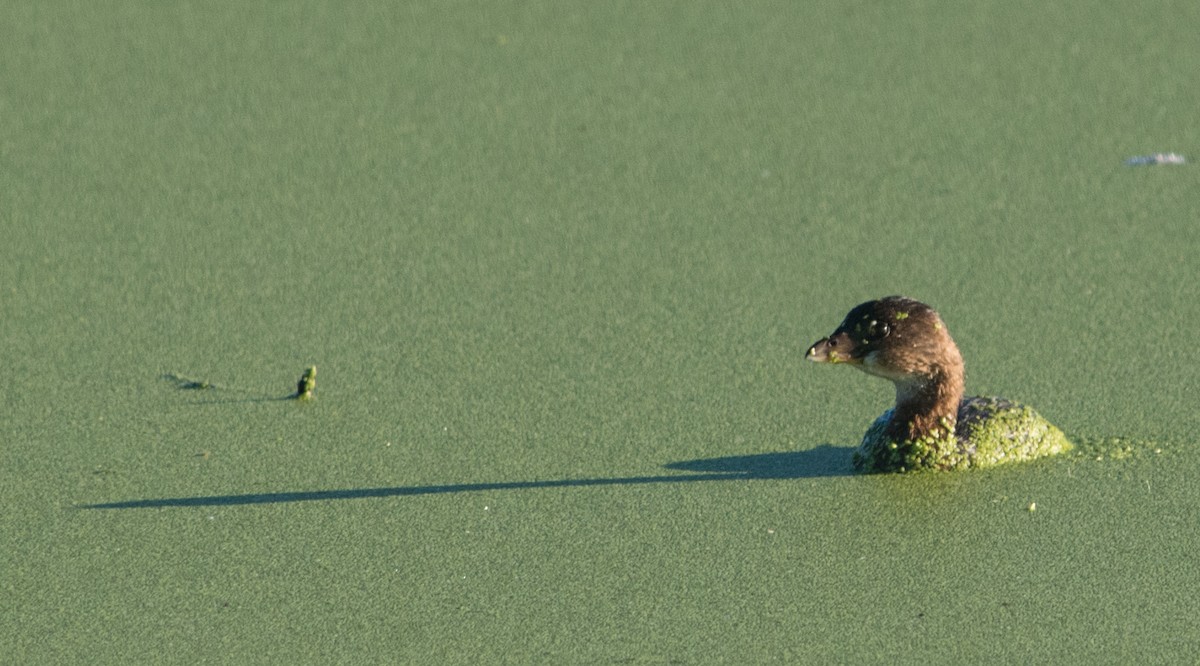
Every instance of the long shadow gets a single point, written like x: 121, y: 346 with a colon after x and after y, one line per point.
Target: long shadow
x: 200, y: 386
x: 823, y: 461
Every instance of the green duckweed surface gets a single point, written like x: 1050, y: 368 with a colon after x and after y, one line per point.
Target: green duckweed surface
x: 997, y: 432
x: 558, y: 264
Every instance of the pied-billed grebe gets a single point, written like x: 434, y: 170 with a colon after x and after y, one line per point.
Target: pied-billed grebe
x: 932, y: 426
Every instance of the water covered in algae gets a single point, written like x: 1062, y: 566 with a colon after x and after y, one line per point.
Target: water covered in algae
x: 555, y: 262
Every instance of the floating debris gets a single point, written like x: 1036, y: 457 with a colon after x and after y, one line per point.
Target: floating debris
x: 1156, y: 158
x: 307, y: 384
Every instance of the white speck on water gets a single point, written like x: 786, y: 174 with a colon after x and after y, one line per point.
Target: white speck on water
x: 1156, y: 158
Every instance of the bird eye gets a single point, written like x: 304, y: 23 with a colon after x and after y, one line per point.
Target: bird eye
x: 877, y: 330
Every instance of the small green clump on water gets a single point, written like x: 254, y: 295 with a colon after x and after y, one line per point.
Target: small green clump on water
x: 1101, y: 449
x: 307, y: 384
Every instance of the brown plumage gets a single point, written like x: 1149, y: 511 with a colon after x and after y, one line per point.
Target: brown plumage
x: 906, y: 342
x: 931, y: 426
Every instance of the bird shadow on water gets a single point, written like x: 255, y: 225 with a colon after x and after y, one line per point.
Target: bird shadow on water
x: 822, y: 461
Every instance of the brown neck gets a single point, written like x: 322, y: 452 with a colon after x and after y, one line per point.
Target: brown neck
x: 927, y: 405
